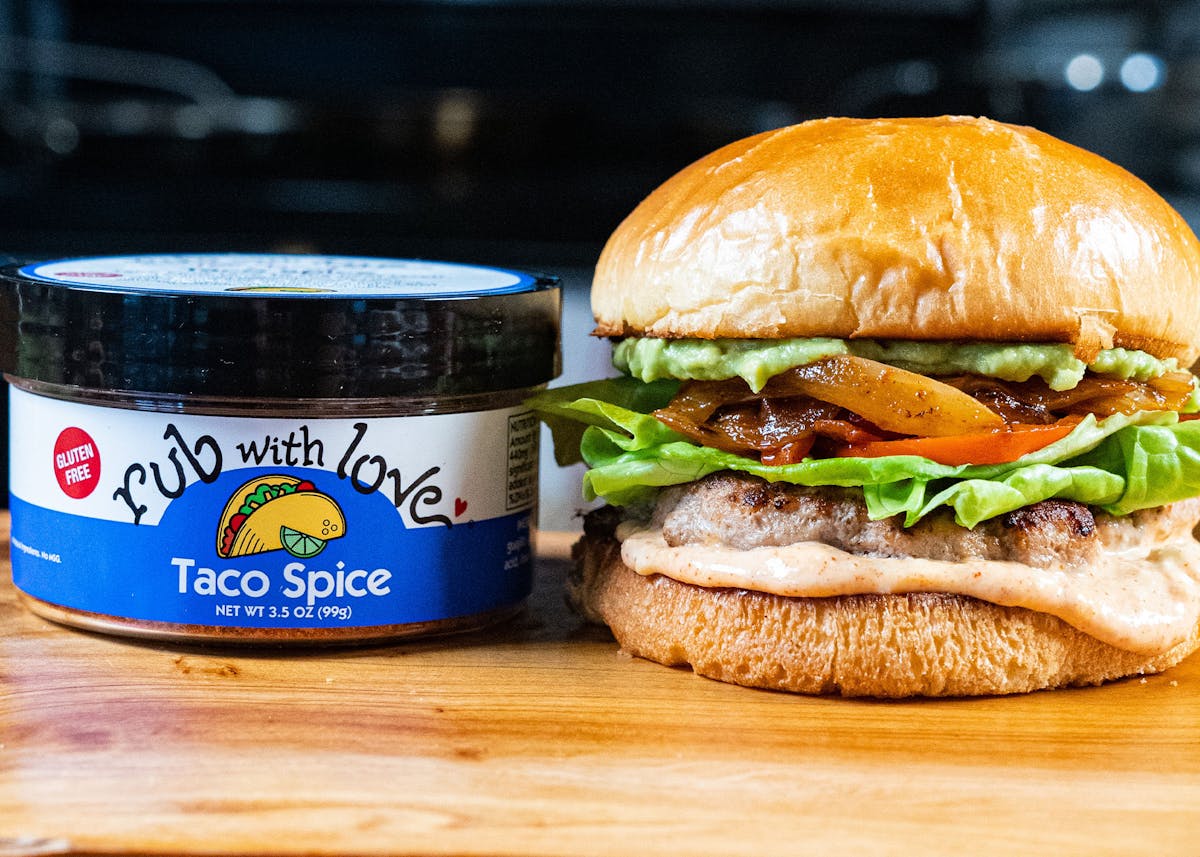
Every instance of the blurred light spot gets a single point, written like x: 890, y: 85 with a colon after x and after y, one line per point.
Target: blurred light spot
x: 916, y: 77
x: 770, y: 115
x: 1084, y: 72
x: 129, y: 117
x: 263, y: 116
x: 1141, y: 72
x: 61, y: 136
x: 192, y: 122
x: 454, y: 121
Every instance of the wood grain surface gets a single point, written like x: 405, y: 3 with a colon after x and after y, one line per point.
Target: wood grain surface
x: 540, y: 738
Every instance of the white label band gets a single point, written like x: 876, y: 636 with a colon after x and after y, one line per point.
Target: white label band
x: 271, y: 522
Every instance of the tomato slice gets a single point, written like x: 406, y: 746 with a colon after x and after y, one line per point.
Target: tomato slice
x: 993, y: 447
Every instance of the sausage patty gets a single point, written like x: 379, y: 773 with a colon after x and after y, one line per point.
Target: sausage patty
x: 747, y: 512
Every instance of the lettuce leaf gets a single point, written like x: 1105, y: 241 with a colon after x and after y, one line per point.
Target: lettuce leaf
x: 567, y: 411
x: 1120, y: 464
x: 1160, y: 464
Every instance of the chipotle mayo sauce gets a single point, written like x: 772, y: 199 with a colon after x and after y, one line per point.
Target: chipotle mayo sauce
x: 1138, y: 600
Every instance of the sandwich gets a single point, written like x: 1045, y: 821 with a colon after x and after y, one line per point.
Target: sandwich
x: 278, y: 512
x: 904, y: 409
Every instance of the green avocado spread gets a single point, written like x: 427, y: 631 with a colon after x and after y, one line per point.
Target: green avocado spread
x: 757, y: 360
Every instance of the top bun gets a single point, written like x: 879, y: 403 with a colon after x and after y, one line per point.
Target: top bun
x: 946, y: 228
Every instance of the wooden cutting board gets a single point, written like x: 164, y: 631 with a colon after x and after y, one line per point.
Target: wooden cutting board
x: 540, y: 738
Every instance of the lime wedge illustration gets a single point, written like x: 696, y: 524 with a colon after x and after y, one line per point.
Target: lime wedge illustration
x: 299, y: 544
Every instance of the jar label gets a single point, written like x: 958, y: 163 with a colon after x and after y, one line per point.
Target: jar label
x: 281, y: 275
x: 271, y: 522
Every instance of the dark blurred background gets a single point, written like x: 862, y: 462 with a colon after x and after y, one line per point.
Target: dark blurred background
x: 518, y: 133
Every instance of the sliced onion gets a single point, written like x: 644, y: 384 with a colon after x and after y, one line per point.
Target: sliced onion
x: 699, y: 400
x: 891, y: 398
x: 1094, y: 394
x: 766, y: 426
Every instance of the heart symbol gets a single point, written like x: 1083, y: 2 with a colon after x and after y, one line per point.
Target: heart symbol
x: 460, y: 506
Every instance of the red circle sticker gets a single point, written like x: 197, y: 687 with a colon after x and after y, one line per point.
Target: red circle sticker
x: 76, y: 463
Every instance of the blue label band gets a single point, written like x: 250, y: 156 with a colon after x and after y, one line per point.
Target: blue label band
x: 378, y: 573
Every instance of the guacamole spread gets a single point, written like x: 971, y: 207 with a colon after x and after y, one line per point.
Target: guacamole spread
x: 757, y: 360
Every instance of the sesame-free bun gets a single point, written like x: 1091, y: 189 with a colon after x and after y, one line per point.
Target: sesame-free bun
x: 951, y: 228
x: 921, y: 644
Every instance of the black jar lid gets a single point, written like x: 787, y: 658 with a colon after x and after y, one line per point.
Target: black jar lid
x: 278, y: 326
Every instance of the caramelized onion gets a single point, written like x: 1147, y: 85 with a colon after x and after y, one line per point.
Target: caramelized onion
x: 893, y: 399
x: 1094, y: 394
x: 792, y: 452
x: 753, y: 426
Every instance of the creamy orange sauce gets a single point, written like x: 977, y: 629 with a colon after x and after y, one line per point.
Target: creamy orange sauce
x: 1141, y: 601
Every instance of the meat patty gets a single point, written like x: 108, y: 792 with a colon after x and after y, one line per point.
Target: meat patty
x: 747, y: 512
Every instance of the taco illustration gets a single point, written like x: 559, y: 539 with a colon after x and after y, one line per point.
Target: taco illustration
x: 278, y: 512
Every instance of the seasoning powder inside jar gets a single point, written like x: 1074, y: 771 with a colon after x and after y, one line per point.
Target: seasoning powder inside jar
x: 274, y: 448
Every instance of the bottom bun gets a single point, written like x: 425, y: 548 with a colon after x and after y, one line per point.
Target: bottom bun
x: 921, y: 644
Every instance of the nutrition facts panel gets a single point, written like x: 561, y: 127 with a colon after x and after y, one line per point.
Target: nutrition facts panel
x: 522, y: 460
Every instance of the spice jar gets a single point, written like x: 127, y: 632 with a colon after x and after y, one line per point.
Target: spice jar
x: 274, y: 448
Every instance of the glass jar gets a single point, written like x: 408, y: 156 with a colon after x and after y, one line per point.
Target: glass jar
x: 274, y: 448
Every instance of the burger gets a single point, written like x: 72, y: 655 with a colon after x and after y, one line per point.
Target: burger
x: 904, y: 410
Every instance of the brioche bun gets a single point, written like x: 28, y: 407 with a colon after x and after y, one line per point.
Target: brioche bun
x: 936, y: 229
x: 920, y: 644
